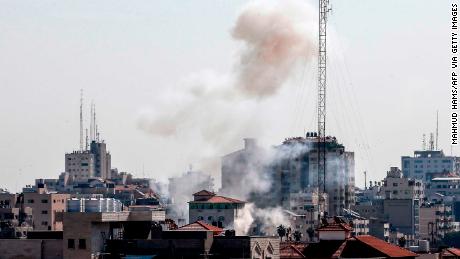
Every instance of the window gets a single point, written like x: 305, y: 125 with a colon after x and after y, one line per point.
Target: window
x: 44, y: 223
x: 81, y: 243
x: 71, y: 243
x: 44, y: 212
x: 44, y: 201
x: 30, y: 201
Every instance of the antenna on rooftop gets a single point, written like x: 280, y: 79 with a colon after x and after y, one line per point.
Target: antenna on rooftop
x: 91, y: 123
x: 424, y: 142
x: 431, y: 141
x: 437, y: 129
x: 86, y: 144
x: 81, y: 119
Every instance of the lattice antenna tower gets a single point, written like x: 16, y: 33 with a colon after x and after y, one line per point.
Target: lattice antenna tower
x: 324, y: 9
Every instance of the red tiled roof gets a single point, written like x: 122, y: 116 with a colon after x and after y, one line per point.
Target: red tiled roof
x: 290, y: 251
x: 451, y: 252
x: 200, y: 225
x: 335, y: 227
x: 384, y: 247
x: 203, y: 193
x: 218, y: 199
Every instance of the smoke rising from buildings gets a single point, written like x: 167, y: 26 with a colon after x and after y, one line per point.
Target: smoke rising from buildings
x: 275, y: 38
x: 210, y: 113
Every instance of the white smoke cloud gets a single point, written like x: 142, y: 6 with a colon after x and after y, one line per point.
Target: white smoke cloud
x: 270, y: 219
x: 209, y: 113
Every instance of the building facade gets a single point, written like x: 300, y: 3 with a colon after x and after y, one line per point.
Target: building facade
x: 426, y: 163
x: 44, y: 207
x: 215, y: 210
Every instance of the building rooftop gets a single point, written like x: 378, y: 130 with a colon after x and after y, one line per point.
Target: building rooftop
x: 200, y: 225
x: 388, y: 249
x: 451, y: 252
x: 335, y: 227
x: 205, y: 196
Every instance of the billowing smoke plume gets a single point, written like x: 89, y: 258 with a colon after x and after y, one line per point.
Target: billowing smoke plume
x: 209, y: 114
x: 249, y: 175
x: 275, y: 38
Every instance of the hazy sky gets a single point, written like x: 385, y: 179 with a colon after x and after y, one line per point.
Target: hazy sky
x: 389, y: 76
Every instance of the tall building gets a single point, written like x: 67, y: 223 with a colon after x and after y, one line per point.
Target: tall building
x: 402, y: 199
x: 102, y: 159
x: 87, y: 164
x: 296, y: 169
x: 80, y: 165
x: 291, y: 167
x: 425, y: 165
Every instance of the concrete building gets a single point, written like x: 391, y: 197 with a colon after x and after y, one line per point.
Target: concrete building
x: 215, y: 210
x: 80, y: 165
x: 86, y: 233
x: 448, y: 186
x: 297, y: 170
x: 379, y: 228
x: 370, y: 209
x: 403, y: 214
x: 436, y: 220
x: 102, y: 159
x: 44, y: 207
x: 15, y: 221
x: 395, y: 186
x: 424, y: 163
x: 239, y: 165
x: 31, y: 248
x: 305, y: 209
x: 87, y: 164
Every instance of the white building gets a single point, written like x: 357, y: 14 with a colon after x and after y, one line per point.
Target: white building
x: 425, y: 164
x: 215, y: 210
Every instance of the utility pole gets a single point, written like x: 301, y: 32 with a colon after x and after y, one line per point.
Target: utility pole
x: 323, y: 12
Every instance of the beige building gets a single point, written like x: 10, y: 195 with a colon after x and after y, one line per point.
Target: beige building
x: 395, y: 186
x: 215, y: 210
x: 44, y: 207
x: 435, y: 221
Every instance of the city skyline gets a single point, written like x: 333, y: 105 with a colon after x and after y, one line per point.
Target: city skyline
x: 130, y: 61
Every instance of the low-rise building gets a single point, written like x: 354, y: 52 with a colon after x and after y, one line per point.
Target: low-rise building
x: 44, y: 207
x: 215, y: 210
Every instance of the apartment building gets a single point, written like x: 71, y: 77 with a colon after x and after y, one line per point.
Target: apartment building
x: 215, y: 210
x: 425, y: 163
x: 44, y: 207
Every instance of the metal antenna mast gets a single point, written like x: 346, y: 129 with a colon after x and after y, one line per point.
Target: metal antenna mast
x: 437, y: 129
x: 323, y: 12
x: 81, y: 120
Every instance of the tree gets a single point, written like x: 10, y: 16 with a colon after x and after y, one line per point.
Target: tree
x: 310, y: 233
x: 402, y: 241
x: 297, y: 235
x: 281, y: 231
